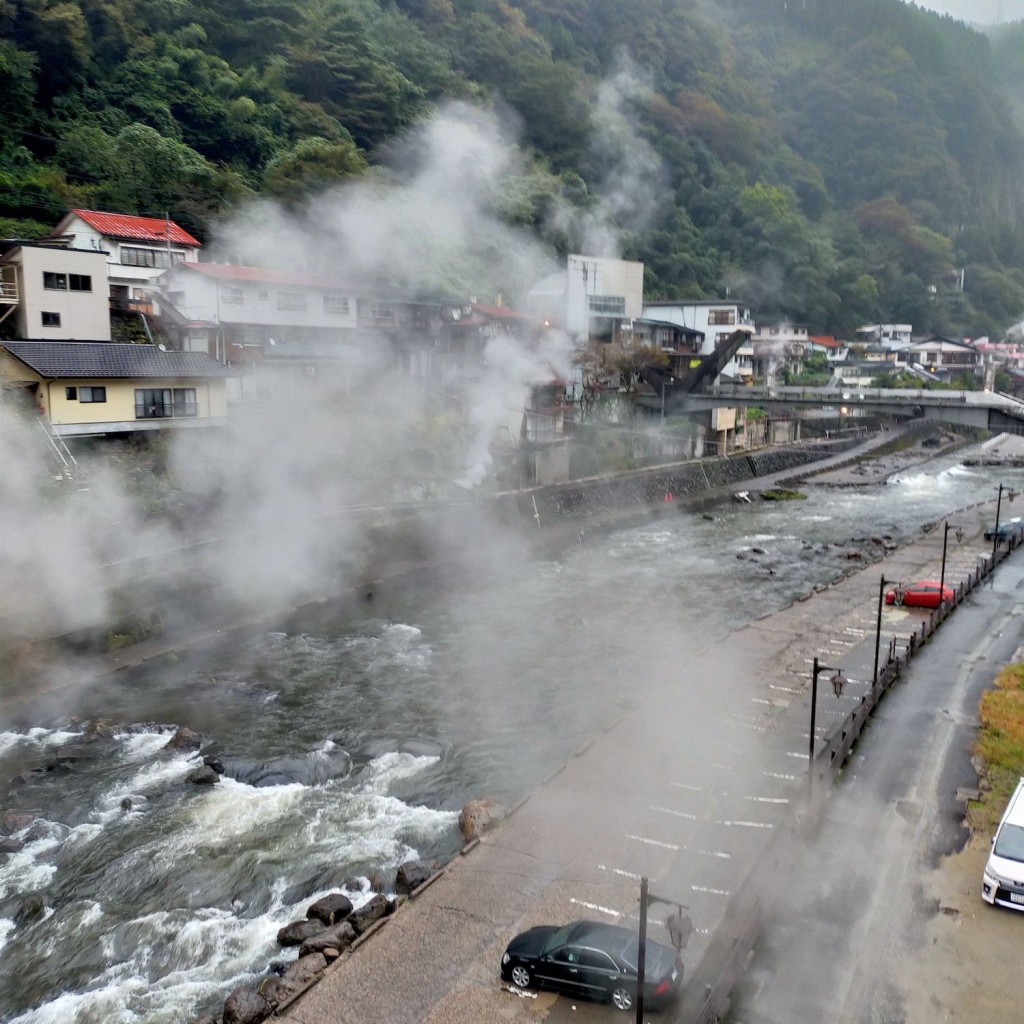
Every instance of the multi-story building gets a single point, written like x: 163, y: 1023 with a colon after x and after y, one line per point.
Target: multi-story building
x: 137, y: 250
x: 56, y: 293
x: 716, y: 319
x: 592, y: 299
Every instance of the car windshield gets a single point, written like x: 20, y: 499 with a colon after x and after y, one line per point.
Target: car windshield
x: 558, y: 939
x: 1010, y: 843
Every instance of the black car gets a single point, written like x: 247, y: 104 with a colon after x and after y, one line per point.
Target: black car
x: 593, y: 961
x: 1013, y: 528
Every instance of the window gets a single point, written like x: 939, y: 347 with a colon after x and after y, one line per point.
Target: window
x: 80, y: 282
x: 51, y: 319
x: 263, y: 294
x: 721, y: 316
x: 596, y: 959
x: 92, y: 394
x: 132, y: 257
x: 608, y: 305
x: 291, y: 300
x: 185, y: 402
x: 336, y: 304
x: 55, y: 282
x: 381, y: 313
x: 231, y: 295
x: 162, y: 403
x: 71, y: 394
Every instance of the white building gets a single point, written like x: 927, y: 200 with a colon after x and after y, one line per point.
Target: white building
x: 716, y: 319
x: 892, y: 335
x: 56, y: 293
x: 591, y: 298
x: 137, y: 249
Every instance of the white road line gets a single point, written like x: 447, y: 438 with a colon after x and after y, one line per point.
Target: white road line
x: 652, y: 842
x: 792, y: 753
x: 760, y: 700
x: 618, y: 871
x: 722, y: 854
x: 714, y: 892
x: 768, y: 799
x: 677, y: 814
x: 779, y: 775
x: 687, y: 785
x: 784, y: 689
x: 595, y: 906
x: 747, y: 824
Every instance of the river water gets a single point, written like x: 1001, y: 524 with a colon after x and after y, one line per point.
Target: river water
x: 351, y: 741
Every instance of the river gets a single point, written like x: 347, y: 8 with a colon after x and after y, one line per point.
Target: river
x: 351, y: 741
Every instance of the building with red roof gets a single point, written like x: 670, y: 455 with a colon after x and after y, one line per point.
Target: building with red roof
x: 138, y: 249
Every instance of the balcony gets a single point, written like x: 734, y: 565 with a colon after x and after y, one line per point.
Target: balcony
x: 8, y: 288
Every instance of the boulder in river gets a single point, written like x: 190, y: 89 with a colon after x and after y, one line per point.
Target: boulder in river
x: 204, y: 776
x: 411, y: 875
x: 276, y: 990
x: 305, y: 968
x: 185, y: 739
x: 372, y: 910
x: 246, y: 1006
x: 330, y: 909
x: 8, y: 844
x: 479, y: 815
x: 296, y: 933
x: 15, y: 821
x: 32, y: 908
x: 339, y: 937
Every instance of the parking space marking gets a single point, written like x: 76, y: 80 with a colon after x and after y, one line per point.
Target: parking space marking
x: 677, y: 814
x: 747, y: 824
x: 720, y: 854
x: 687, y: 785
x: 653, y: 842
x: 618, y: 871
x: 768, y: 799
x: 595, y: 906
x: 779, y: 775
x: 714, y: 892
x: 784, y: 689
x: 760, y: 700
x: 793, y: 753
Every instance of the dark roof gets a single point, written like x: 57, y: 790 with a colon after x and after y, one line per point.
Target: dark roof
x: 106, y: 359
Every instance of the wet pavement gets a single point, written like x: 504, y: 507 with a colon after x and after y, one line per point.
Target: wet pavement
x: 636, y: 803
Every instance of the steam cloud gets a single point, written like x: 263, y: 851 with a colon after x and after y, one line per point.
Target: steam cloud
x: 272, y: 491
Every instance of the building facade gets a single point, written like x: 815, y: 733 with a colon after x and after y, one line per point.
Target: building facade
x: 137, y: 249
x: 56, y: 293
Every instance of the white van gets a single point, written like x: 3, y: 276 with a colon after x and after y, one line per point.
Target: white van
x: 1003, y: 880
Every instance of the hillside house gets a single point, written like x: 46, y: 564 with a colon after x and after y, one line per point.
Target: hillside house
x: 97, y: 388
x: 941, y: 356
x: 55, y: 293
x: 137, y: 249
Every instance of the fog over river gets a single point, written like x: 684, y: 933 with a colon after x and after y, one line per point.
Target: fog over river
x: 164, y: 896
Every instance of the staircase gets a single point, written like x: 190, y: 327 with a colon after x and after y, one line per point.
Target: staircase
x: 69, y: 466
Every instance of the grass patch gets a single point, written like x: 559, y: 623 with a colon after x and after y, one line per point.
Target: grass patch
x: 782, y: 494
x: 1000, y: 745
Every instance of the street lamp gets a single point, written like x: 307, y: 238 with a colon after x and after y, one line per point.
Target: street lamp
x: 679, y: 930
x: 1010, y: 495
x: 878, y: 627
x: 959, y: 534
x: 838, y: 682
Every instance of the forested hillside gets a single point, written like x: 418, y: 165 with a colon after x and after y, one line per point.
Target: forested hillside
x: 835, y: 161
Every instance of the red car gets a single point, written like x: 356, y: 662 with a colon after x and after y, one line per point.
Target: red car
x: 922, y: 594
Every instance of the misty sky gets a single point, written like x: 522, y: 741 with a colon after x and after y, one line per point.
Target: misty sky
x: 979, y: 12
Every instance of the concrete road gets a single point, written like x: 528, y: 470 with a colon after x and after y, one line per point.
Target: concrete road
x: 853, y: 907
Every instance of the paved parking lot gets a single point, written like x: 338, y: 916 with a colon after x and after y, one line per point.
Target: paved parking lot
x: 686, y: 789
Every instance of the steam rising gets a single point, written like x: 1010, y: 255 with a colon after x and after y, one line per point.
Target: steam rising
x: 276, y: 498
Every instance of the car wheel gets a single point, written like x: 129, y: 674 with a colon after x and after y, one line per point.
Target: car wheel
x: 521, y: 976
x: 622, y: 997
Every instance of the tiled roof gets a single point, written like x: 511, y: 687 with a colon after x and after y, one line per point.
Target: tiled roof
x: 143, y: 229
x: 106, y: 359
x: 224, y: 272
x: 825, y: 339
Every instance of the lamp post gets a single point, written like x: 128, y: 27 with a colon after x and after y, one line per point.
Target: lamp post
x: 878, y: 627
x: 838, y: 682
x: 1010, y: 495
x: 959, y: 534
x: 683, y: 923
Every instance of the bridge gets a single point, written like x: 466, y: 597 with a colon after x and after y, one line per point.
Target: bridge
x: 988, y: 410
